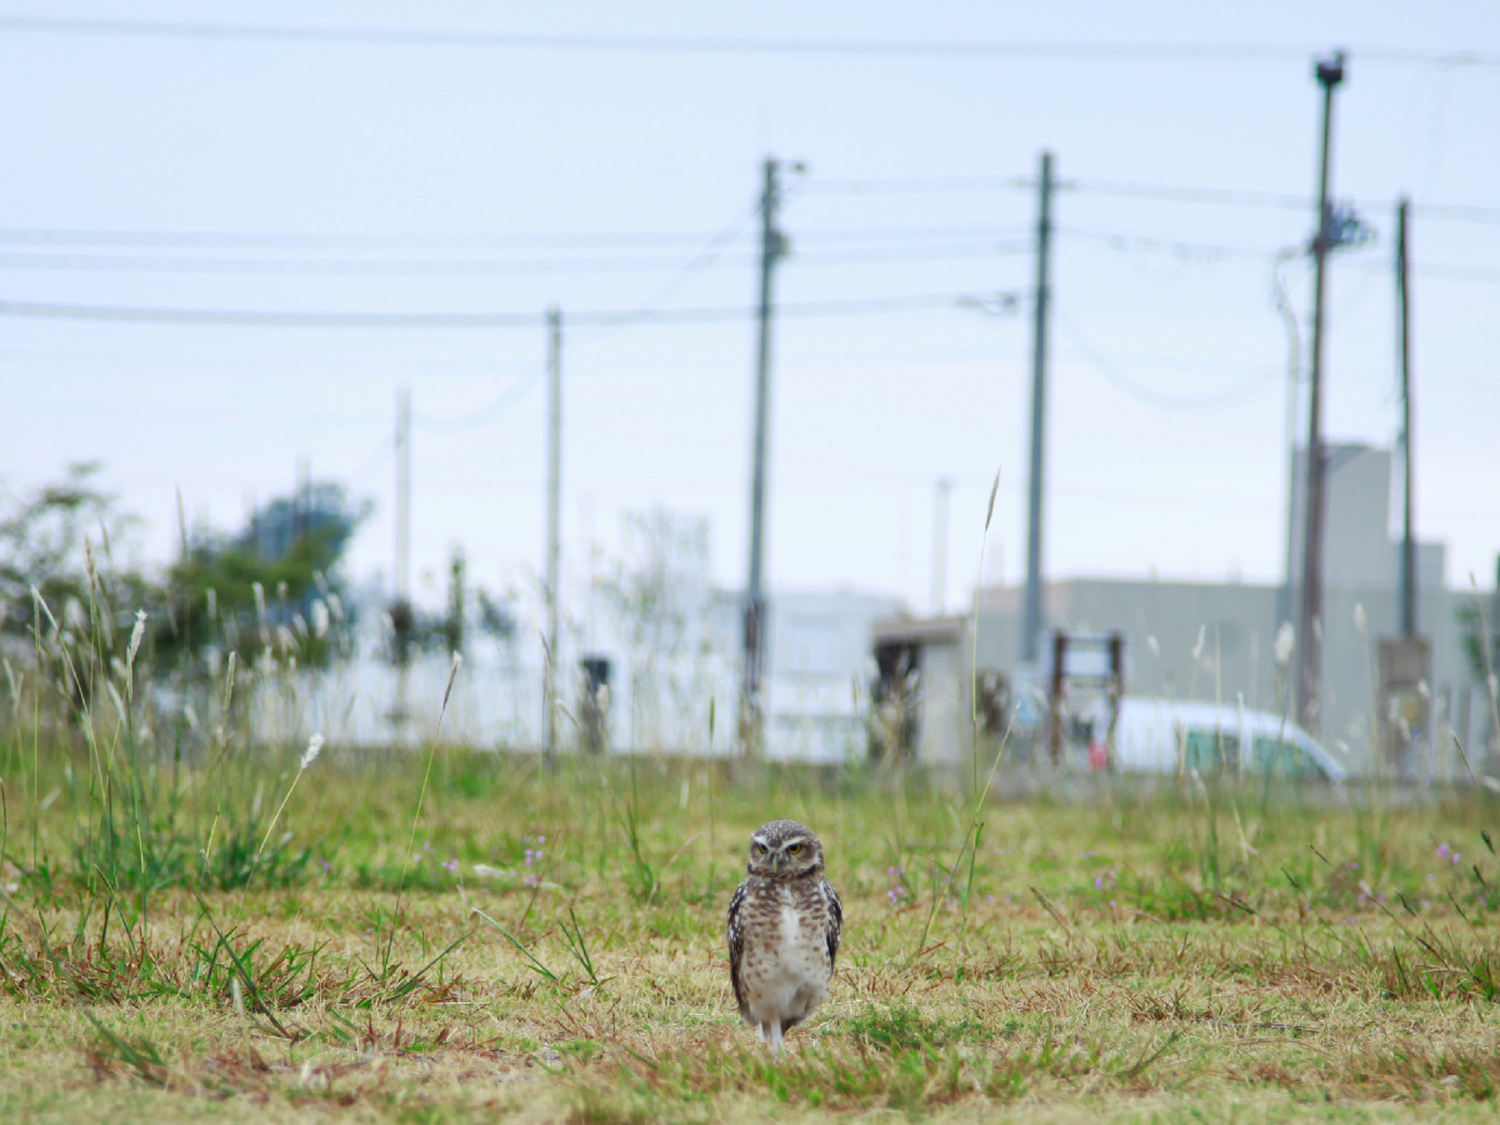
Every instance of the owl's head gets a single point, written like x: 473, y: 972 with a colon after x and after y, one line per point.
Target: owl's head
x: 784, y: 849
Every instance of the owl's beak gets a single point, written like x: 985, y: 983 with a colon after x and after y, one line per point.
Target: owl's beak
x: 778, y: 861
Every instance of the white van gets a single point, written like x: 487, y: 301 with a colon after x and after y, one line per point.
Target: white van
x: 1152, y: 734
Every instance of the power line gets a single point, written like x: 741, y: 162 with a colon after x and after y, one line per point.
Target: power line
x: 267, y: 319
x: 1165, y: 243
x: 460, y: 266
x: 1287, y: 201
x: 1150, y: 395
x: 1208, y: 251
x: 1236, y: 198
x: 428, y: 37
x: 903, y: 184
x: 250, y: 240
x: 1271, y: 199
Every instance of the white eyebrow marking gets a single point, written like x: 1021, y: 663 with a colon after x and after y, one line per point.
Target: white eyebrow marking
x: 761, y: 840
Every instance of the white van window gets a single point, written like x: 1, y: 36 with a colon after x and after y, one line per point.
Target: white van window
x: 1208, y: 750
x: 1275, y: 758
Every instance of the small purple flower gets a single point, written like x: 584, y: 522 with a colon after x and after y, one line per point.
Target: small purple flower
x: 452, y: 864
x: 1007, y: 900
x: 1089, y: 855
x: 1432, y: 878
x: 1426, y: 905
x: 1381, y: 900
x: 1098, y: 882
x: 1444, y: 851
x: 989, y: 898
x: 1456, y: 858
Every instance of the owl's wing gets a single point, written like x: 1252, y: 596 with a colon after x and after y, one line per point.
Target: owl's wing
x: 835, y: 921
x: 736, y: 936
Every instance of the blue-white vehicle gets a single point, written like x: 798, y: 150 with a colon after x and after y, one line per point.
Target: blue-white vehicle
x: 1165, y: 735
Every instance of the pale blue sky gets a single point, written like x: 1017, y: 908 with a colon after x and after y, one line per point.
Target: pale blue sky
x: 1169, y: 399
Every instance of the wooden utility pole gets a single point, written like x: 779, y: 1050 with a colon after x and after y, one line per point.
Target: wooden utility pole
x: 554, y: 546
x: 1329, y: 72
x: 1031, y: 627
x: 1403, y: 355
x: 751, y: 718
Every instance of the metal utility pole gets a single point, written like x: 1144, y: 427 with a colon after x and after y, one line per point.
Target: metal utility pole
x: 1329, y: 72
x: 401, y: 614
x: 940, y: 544
x: 1031, y: 627
x: 554, y: 548
x: 403, y: 494
x: 1287, y: 596
x: 771, y: 249
x: 1403, y: 354
x: 302, y: 506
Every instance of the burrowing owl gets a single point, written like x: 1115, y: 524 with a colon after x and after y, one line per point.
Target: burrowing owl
x: 784, y: 923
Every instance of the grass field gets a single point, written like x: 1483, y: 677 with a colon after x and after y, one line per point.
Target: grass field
x: 550, y: 948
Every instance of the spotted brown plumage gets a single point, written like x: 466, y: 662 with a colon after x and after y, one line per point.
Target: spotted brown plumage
x: 784, y: 923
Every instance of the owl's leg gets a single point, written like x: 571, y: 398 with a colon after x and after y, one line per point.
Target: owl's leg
x: 774, y: 1038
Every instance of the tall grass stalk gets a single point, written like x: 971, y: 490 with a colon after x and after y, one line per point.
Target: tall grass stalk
x: 969, y: 842
x: 989, y: 515
x: 416, y: 818
x: 309, y: 756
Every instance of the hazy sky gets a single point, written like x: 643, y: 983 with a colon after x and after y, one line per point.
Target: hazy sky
x: 442, y: 178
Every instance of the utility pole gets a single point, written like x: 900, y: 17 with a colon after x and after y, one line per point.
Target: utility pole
x: 1403, y: 355
x: 403, y: 494
x: 1286, y: 597
x: 771, y: 249
x: 401, y: 612
x: 1031, y: 627
x: 554, y: 549
x: 1329, y: 73
x: 302, y: 504
x: 940, y: 544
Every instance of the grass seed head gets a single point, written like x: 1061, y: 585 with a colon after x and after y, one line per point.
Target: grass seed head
x: 310, y: 755
x: 1286, y: 640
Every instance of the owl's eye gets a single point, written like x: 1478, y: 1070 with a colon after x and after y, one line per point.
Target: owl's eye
x: 794, y: 849
x: 761, y: 849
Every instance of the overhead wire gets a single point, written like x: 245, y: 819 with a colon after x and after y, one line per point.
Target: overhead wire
x: 1234, y: 197
x: 467, y: 266
x: 782, y: 45
x: 1150, y: 395
x: 246, y: 318
x: 264, y: 240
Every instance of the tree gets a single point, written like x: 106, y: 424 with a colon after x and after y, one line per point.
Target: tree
x: 50, y: 540
x: 273, y: 588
